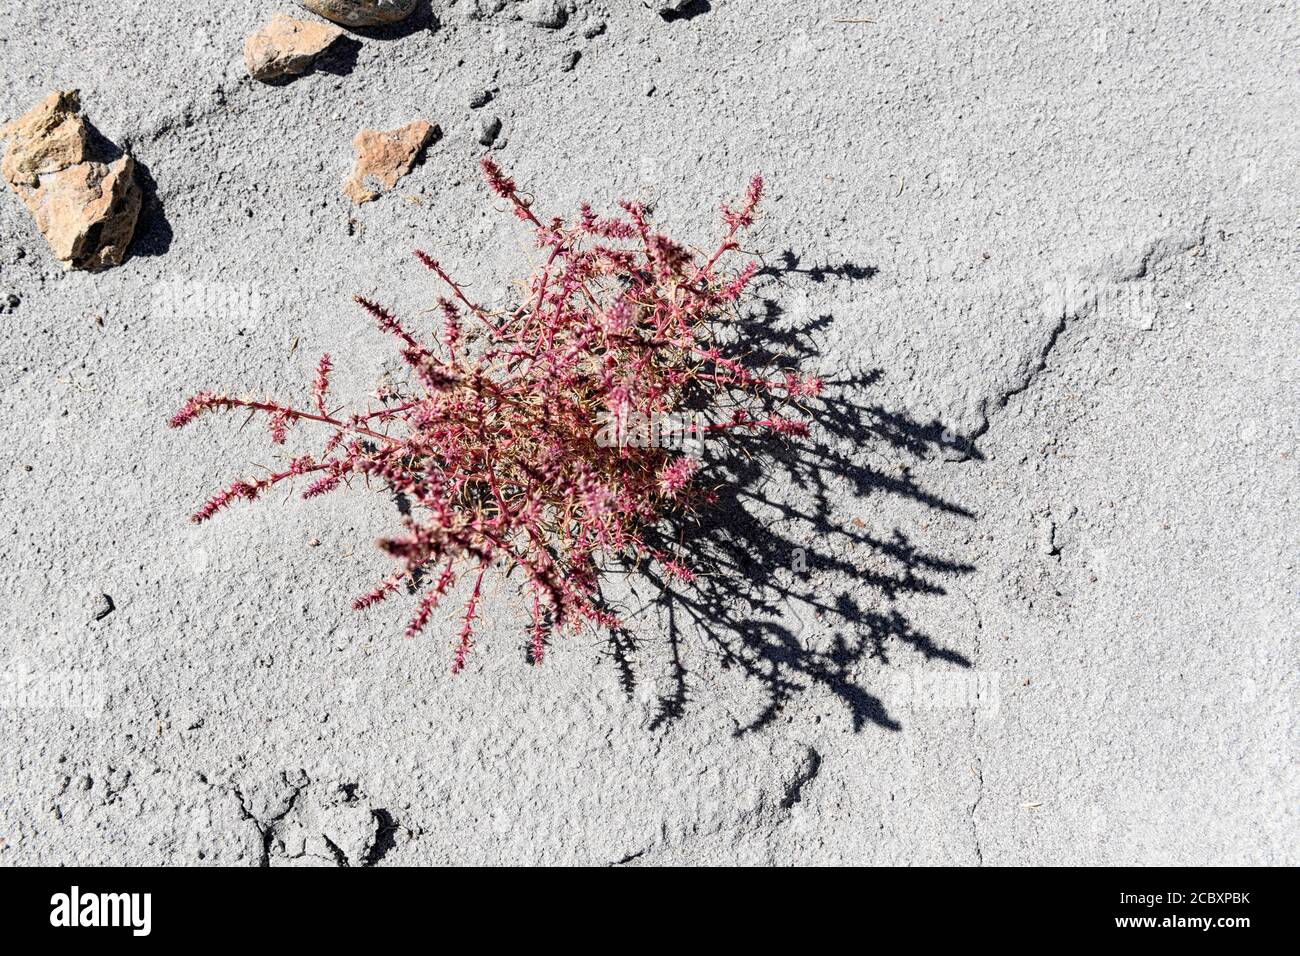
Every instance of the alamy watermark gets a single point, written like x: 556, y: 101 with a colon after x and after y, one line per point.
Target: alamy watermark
x: 24, y: 687
x: 233, y: 304
x: 678, y: 431
x: 1129, y: 304
x: 939, y: 690
x: 128, y: 910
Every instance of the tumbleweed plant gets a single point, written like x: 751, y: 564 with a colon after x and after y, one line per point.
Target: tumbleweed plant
x: 511, y: 446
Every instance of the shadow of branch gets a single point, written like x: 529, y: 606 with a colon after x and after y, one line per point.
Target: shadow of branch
x: 759, y: 600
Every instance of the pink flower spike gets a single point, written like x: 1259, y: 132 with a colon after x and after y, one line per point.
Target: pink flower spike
x: 192, y: 409
x: 677, y: 476
x: 322, y: 384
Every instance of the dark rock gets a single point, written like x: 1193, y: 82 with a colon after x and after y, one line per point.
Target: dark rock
x: 489, y: 130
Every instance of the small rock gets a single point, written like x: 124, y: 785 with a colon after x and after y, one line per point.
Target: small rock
x: 286, y: 47
x: 570, y: 60
x: 86, y: 209
x: 481, y: 99
x: 669, y: 9
x: 386, y: 157
x: 100, y: 606
x: 489, y: 130
x: 550, y: 14
x: 361, y: 13
x: 594, y: 30
x: 10, y: 303
x: 88, y: 212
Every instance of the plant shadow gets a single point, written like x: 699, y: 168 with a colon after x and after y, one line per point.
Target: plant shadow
x: 791, y: 591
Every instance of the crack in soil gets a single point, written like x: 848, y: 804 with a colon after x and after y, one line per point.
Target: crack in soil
x: 267, y: 829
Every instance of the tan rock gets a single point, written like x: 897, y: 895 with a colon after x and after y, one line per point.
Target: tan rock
x: 286, y: 47
x: 385, y: 157
x: 86, y: 209
x: 49, y: 137
x: 361, y: 13
x: 87, y: 212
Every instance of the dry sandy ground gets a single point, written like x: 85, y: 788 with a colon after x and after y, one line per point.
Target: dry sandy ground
x: 1029, y: 597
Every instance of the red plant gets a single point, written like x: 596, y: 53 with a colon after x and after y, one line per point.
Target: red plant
x: 503, y: 450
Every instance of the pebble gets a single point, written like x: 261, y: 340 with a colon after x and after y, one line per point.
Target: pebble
x: 570, y: 60
x: 481, y: 98
x: 550, y: 14
x: 100, y: 606
x: 385, y: 156
x: 489, y: 130
x: 670, y: 8
x: 361, y: 13
x: 286, y: 47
